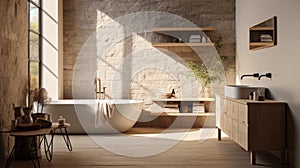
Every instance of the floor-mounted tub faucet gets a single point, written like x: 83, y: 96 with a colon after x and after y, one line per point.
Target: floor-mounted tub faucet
x: 99, y: 94
x: 255, y: 75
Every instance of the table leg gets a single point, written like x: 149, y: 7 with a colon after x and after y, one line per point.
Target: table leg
x: 35, y: 152
x: 219, y: 134
x: 48, y: 147
x: 283, y: 157
x: 252, y: 157
x: 40, y: 141
x: 66, y: 138
x: 11, y: 157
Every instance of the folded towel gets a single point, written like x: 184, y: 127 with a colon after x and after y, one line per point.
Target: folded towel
x: 104, y: 112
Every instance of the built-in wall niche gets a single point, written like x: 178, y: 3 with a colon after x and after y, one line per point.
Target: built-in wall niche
x: 264, y: 34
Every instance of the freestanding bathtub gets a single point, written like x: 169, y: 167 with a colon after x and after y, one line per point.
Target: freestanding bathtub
x: 81, y: 114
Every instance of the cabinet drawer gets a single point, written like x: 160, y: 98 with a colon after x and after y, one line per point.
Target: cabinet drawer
x: 235, y: 110
x: 243, y: 113
x: 234, y: 133
x: 229, y: 107
x: 243, y: 136
x: 228, y: 127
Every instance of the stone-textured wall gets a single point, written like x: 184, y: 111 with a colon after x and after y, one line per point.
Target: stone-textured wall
x: 13, y: 63
x: 83, y: 17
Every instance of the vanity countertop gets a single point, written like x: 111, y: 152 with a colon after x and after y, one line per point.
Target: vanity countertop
x: 248, y: 101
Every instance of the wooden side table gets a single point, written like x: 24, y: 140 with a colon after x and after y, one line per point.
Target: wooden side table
x: 28, y: 134
x: 48, y: 145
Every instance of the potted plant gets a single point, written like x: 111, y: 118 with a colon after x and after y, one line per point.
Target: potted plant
x: 41, y: 98
x: 210, y: 74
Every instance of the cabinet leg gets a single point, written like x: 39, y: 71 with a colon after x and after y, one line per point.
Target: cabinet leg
x: 252, y: 157
x: 283, y: 157
x: 219, y: 134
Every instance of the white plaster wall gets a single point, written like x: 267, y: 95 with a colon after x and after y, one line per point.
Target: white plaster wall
x: 281, y: 60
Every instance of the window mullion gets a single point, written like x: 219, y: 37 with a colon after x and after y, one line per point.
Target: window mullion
x: 40, y: 45
x: 29, y: 75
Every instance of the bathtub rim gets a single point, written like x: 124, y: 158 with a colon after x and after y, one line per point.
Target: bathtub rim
x: 92, y: 101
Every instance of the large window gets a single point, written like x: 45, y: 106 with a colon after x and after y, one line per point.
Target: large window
x: 34, y: 42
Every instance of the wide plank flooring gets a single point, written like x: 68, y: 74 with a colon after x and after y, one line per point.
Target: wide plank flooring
x: 190, y: 153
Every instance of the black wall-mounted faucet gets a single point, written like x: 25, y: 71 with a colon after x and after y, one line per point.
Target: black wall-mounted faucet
x: 255, y: 75
x: 267, y: 75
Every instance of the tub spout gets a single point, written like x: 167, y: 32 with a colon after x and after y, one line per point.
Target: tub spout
x: 99, y: 94
x: 103, y: 93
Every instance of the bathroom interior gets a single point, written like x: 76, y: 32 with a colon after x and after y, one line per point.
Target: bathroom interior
x: 162, y: 83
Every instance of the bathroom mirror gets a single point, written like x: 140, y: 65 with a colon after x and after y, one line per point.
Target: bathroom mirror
x: 264, y: 34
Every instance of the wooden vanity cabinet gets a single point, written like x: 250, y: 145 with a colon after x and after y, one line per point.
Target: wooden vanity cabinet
x: 254, y: 125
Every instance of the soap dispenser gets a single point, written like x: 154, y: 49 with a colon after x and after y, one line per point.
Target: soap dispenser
x: 173, y: 93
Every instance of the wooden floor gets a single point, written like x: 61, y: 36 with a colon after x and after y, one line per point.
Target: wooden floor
x: 190, y: 153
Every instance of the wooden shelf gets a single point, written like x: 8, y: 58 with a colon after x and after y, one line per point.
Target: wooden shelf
x: 268, y: 28
x: 261, y: 28
x: 184, y: 106
x: 183, y: 44
x: 257, y: 44
x: 182, y: 114
x: 260, y: 45
x: 162, y: 29
x: 184, y: 35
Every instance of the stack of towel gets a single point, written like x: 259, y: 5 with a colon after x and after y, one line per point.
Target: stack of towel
x: 195, y: 38
x: 265, y: 38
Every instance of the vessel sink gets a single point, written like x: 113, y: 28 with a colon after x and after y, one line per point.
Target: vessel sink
x: 239, y: 91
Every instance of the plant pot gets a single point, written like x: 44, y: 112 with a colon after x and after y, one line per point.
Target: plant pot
x: 206, y: 92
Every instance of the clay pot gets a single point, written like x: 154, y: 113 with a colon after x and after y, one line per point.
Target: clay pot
x: 18, y: 111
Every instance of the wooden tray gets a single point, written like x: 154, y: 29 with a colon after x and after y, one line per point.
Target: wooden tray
x: 29, y: 127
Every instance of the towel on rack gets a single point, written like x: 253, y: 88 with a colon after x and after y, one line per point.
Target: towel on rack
x: 105, y: 111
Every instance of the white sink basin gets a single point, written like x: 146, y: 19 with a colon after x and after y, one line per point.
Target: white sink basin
x: 239, y: 91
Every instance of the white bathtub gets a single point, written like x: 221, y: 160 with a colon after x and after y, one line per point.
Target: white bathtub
x: 81, y: 114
